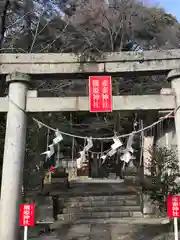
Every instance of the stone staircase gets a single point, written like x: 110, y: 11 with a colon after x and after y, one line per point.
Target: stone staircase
x: 94, y: 199
x: 118, y: 203
x: 101, y: 207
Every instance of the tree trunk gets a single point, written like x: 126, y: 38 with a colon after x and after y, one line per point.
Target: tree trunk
x: 4, y: 5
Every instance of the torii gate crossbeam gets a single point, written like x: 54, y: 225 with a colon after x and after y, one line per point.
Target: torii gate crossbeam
x: 151, y: 62
x: 70, y: 104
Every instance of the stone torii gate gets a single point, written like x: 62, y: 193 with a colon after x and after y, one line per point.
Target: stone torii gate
x: 20, y: 69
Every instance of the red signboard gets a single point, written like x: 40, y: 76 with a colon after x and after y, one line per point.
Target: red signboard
x: 173, y: 206
x: 27, y: 215
x: 100, y: 94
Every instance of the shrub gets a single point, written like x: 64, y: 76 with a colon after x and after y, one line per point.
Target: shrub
x: 165, y: 171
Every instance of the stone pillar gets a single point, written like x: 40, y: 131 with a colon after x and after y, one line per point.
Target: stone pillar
x: 174, y: 77
x: 13, y: 160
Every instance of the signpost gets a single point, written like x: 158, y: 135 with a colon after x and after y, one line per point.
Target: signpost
x: 27, y: 217
x: 100, y: 94
x: 173, y: 209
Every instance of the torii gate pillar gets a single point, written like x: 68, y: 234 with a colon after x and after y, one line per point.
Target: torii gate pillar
x: 13, y: 160
x: 174, y: 77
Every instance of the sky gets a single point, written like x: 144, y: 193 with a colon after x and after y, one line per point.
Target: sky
x: 171, y: 6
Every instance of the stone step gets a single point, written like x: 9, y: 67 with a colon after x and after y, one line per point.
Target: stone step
x: 102, y: 209
x: 101, y: 198
x: 98, y: 189
x: 97, y: 215
x: 56, y: 192
x: 122, y: 202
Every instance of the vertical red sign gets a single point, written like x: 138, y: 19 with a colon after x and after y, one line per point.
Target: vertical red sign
x: 100, y: 94
x: 27, y: 212
x: 173, y: 206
